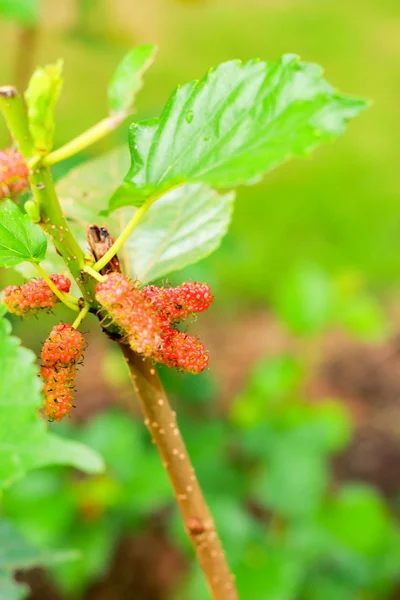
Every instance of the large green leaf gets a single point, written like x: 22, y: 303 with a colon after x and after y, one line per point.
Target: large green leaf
x: 235, y: 124
x: 20, y: 239
x: 24, y: 440
x: 181, y: 228
x: 127, y: 79
x: 18, y: 553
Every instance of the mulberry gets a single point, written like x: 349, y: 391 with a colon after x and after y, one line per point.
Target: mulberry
x: 13, y: 174
x: 182, y: 351
x: 61, y: 352
x: 175, y: 304
x: 148, y: 318
x: 34, y: 296
x: 131, y: 311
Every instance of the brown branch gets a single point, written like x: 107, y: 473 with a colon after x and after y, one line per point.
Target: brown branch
x: 161, y: 422
x: 25, y: 56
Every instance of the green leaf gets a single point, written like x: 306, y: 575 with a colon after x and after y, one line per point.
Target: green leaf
x: 20, y: 239
x: 181, y: 228
x: 268, y: 573
x: 67, y: 452
x: 238, y: 122
x: 359, y: 519
x: 127, y: 79
x: 85, y: 190
x: 305, y: 300
x: 18, y: 553
x: 271, y: 381
x: 10, y: 589
x: 24, y: 12
x: 41, y: 97
x: 24, y: 440
x: 294, y: 482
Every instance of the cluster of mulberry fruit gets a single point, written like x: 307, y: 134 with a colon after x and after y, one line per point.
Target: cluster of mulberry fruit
x: 13, y: 174
x: 60, y: 354
x: 61, y: 351
x: 34, y: 296
x: 148, y: 318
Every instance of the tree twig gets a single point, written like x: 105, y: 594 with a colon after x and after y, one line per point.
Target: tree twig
x: 161, y: 422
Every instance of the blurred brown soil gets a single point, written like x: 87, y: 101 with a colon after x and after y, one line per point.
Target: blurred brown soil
x: 129, y: 576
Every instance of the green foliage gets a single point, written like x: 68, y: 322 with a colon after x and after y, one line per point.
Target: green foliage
x: 234, y: 125
x: 270, y: 382
x: 183, y: 226
x: 25, y: 442
x: 41, y: 97
x: 58, y: 510
x: 18, y: 553
x: 266, y: 473
x: 305, y: 300
x: 309, y: 300
x: 20, y: 239
x: 24, y: 12
x: 127, y: 79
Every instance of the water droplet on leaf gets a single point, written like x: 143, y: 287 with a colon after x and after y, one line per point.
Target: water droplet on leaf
x: 189, y: 116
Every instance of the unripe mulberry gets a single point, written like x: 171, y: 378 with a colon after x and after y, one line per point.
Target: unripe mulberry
x: 182, y: 351
x: 177, y: 303
x: 131, y: 311
x: 63, y: 347
x: 57, y: 391
x: 33, y: 296
x: 61, y: 352
x: 148, y: 318
x: 13, y: 174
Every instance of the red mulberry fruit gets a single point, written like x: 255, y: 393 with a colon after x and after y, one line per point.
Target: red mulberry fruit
x: 182, y: 351
x: 60, y: 354
x: 34, y: 296
x: 178, y: 303
x: 13, y: 174
x: 131, y: 311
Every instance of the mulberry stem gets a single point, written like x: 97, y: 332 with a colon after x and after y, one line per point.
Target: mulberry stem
x: 81, y: 316
x: 90, y: 271
x: 163, y: 427
x: 121, y: 239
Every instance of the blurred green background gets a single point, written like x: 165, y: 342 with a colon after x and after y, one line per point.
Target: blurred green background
x: 305, y: 490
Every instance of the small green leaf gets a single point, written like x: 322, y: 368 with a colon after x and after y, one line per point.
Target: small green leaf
x: 41, y: 97
x: 127, y: 79
x: 20, y: 239
x: 181, y: 228
x: 18, y: 553
x: 32, y: 210
x: 237, y: 123
x: 24, y: 440
x: 24, y: 12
